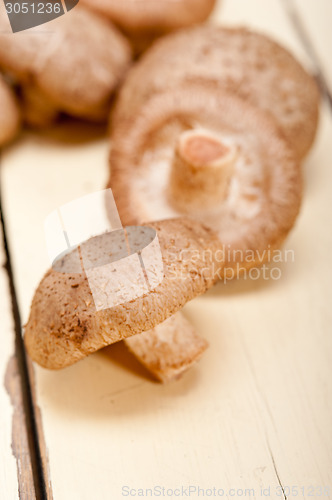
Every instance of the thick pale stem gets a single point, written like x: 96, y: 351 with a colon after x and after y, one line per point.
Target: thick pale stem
x: 201, y: 171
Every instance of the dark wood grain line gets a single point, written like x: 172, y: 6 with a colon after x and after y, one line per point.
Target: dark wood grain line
x: 305, y: 39
x: 33, y: 476
x: 276, y: 470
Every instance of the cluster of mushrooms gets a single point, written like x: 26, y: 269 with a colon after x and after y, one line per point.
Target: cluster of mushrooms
x: 208, y: 130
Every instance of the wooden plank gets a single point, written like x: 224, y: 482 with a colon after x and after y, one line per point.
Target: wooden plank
x: 255, y: 413
x: 315, y: 18
x: 16, y: 478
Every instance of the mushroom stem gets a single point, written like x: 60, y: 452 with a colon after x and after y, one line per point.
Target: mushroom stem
x: 201, y: 171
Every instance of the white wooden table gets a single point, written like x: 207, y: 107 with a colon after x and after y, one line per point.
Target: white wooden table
x: 254, y: 418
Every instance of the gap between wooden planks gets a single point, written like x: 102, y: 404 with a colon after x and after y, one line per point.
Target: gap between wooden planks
x: 255, y: 412
x: 16, y: 477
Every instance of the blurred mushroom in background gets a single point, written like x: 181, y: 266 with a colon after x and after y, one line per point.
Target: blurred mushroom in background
x: 144, y: 20
x: 247, y: 63
x: 10, y: 116
x: 74, y: 68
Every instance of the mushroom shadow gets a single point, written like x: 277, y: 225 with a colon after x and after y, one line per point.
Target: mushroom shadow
x: 109, y: 384
x: 72, y: 131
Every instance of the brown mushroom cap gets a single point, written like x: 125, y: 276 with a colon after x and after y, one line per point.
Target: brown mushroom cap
x: 151, y: 18
x: 247, y: 63
x: 9, y: 115
x: 76, y: 66
x: 64, y: 325
x: 263, y: 179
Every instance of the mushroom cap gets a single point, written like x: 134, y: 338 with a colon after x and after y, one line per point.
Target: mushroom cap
x: 264, y: 193
x: 10, y: 117
x: 64, y: 325
x: 76, y: 66
x: 236, y: 59
x: 137, y: 17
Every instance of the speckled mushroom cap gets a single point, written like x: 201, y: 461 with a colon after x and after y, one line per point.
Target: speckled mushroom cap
x: 146, y: 19
x: 64, y: 325
x: 9, y: 113
x: 75, y: 66
x: 242, y: 61
x: 239, y: 176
